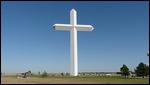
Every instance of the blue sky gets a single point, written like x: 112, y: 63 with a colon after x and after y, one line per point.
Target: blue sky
x: 28, y: 41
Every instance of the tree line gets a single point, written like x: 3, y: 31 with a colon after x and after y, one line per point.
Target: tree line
x: 141, y: 70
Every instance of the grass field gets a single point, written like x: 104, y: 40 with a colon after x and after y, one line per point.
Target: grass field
x: 74, y: 80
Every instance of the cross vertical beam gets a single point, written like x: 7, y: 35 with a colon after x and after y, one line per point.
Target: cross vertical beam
x: 73, y: 53
x: 73, y: 45
x: 73, y: 17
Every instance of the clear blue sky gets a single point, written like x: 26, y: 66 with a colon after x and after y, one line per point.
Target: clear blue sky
x: 28, y: 41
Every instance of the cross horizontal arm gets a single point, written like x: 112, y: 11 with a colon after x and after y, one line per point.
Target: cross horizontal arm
x: 62, y: 26
x: 84, y: 27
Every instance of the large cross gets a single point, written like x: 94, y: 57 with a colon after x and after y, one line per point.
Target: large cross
x: 73, y: 28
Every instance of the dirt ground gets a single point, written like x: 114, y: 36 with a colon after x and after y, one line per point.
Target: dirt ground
x: 40, y: 81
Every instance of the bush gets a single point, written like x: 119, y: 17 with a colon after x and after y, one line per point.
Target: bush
x: 45, y: 74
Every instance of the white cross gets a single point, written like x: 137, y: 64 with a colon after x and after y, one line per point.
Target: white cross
x: 73, y: 28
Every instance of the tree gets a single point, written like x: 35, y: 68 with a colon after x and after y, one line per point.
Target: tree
x: 62, y: 74
x: 45, y: 74
x: 29, y: 71
x: 124, y: 70
x: 147, y: 70
x: 141, y: 70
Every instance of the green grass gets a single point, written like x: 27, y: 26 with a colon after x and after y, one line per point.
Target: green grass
x: 93, y: 79
x: 109, y: 80
x: 103, y: 79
